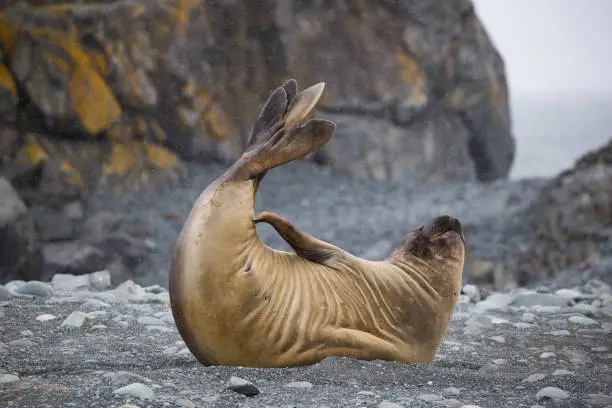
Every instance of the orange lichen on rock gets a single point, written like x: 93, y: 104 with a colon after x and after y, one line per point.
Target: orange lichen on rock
x: 121, y: 160
x: 92, y: 100
x: 7, y: 81
x: 160, y: 156
x: 73, y: 176
x: 32, y: 153
x: 411, y: 74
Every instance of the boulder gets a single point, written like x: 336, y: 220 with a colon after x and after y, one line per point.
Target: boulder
x: 20, y: 255
x: 114, y: 95
x: 570, y: 221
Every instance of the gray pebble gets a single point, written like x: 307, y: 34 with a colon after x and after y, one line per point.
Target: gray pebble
x: 451, y: 391
x: 184, y: 403
x: 528, y: 317
x: 76, y: 319
x: 599, y: 400
x: 138, y: 390
x: 242, y: 386
x: 547, y: 354
x: 8, y: 378
x: 93, y: 305
x: 522, y: 325
x: 120, y: 378
x: 562, y: 372
x: 470, y: 406
x: 472, y: 292
x: 14, y: 284
x: 560, y: 333
x: 552, y: 393
x: 498, y: 339
x: 496, y: 301
x: 298, y: 384
x: 27, y: 333
x: 569, y: 293
x: 534, y: 378
x: 22, y: 343
x: 582, y: 320
x: 150, y: 321
x: 35, y: 288
x: 429, y: 397
x: 448, y: 403
x: 538, y: 299
x: 100, y: 280
x: 5, y: 294
x: 161, y: 329
x: 389, y: 404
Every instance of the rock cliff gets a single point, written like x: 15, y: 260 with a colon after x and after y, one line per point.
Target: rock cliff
x: 115, y: 95
x: 570, y: 220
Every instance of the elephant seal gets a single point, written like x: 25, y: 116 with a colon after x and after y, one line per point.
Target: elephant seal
x: 238, y: 302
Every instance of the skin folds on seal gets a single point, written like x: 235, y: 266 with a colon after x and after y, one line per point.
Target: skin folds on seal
x: 238, y: 302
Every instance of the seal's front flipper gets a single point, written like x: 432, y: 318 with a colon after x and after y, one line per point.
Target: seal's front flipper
x: 282, y: 132
x: 303, y: 244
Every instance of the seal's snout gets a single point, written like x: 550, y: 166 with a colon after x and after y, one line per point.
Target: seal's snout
x: 441, y: 225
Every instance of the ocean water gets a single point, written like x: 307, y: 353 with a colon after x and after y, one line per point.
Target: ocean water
x: 552, y: 132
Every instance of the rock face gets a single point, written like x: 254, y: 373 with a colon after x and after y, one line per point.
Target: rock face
x: 571, y: 220
x: 20, y: 254
x: 114, y: 94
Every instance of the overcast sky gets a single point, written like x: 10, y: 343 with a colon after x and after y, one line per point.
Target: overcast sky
x: 552, y: 45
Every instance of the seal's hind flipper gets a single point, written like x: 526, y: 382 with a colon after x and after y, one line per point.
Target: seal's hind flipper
x: 273, y: 111
x: 304, y: 245
x: 271, y: 144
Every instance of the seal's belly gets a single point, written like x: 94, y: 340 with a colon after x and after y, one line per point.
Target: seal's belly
x: 296, y: 310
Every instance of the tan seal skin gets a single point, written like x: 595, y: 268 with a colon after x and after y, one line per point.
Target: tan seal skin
x: 237, y: 301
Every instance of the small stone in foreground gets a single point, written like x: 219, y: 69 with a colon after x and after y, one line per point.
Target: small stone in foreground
x: 599, y: 400
x: 5, y: 294
x: 298, y: 384
x: 242, y: 386
x: 8, y: 378
x: 429, y: 397
x: 138, y: 390
x: 45, y: 317
x: 184, y: 403
x: 534, y: 377
x: 552, y: 393
x: 35, y: 288
x: 562, y: 372
x: 547, y: 354
x: 389, y: 404
x: 75, y: 319
x: 583, y: 320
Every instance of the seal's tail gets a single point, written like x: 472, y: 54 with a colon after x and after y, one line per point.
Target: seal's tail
x: 282, y: 132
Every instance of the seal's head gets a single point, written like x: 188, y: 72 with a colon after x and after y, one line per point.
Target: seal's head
x: 440, y: 246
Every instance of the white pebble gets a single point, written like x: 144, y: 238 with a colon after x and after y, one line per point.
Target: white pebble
x: 45, y: 317
x: 553, y: 393
x: 389, y: 404
x: 8, y: 378
x: 562, y: 372
x: 547, y: 354
x: 534, y: 378
x: 298, y: 384
x: 75, y: 319
x: 138, y: 390
x: 583, y: 320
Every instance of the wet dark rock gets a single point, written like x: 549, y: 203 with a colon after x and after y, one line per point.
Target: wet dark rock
x: 20, y: 255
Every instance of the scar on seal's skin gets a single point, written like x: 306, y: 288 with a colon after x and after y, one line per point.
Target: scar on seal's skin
x: 237, y: 301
